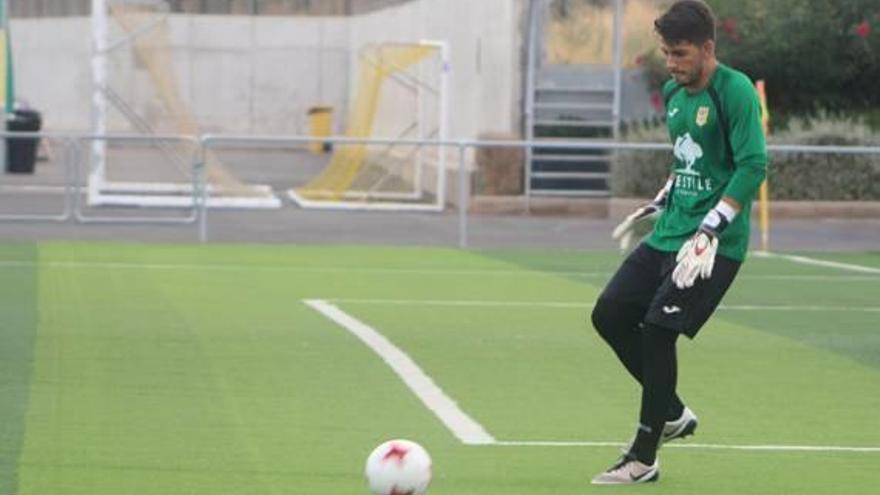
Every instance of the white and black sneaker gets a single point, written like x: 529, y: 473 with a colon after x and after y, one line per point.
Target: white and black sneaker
x: 629, y: 471
x: 682, y: 427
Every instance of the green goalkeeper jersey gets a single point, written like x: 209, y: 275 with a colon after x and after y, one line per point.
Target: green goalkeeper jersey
x: 719, y: 150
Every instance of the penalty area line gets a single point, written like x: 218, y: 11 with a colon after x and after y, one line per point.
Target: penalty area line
x: 699, y: 446
x: 587, y: 305
x: 465, y: 428
x: 803, y: 260
x: 470, y: 432
x: 390, y: 271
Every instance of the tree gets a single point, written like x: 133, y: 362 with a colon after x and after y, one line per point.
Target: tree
x: 813, y: 54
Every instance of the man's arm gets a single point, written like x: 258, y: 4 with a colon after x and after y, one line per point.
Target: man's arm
x: 749, y: 149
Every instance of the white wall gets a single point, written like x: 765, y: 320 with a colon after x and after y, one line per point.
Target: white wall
x: 235, y: 74
x: 261, y: 74
x: 52, y: 71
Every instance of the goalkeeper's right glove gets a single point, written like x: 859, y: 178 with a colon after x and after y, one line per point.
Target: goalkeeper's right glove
x: 641, y: 222
x: 696, y: 258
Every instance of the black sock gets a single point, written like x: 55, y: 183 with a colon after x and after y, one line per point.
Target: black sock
x: 660, y: 373
x: 619, y: 325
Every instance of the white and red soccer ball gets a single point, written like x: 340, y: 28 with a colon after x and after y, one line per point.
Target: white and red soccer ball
x: 398, y: 467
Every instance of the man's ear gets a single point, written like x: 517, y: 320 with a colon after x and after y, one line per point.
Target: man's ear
x: 708, y: 47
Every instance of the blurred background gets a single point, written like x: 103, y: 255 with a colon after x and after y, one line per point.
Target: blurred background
x: 204, y: 204
x: 418, y: 79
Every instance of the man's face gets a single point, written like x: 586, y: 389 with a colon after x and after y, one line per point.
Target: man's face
x: 685, y: 60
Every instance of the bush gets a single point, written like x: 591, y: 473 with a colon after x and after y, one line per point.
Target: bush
x: 813, y: 176
x: 793, y: 176
x: 499, y: 169
x: 641, y: 174
x: 814, y: 55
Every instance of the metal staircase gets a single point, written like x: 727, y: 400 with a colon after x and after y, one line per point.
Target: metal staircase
x: 567, y: 102
x: 571, y: 103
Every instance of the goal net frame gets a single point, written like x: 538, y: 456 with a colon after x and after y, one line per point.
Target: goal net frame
x: 427, y: 132
x: 101, y: 190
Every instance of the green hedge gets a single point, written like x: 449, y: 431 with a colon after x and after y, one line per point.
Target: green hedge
x: 640, y: 174
x: 793, y: 176
x: 812, y: 176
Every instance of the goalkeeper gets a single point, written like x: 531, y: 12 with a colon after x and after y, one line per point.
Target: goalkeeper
x: 671, y: 283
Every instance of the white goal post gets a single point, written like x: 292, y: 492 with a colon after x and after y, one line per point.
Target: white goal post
x: 162, y: 193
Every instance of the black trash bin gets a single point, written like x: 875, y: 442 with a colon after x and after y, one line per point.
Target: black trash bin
x: 21, y: 152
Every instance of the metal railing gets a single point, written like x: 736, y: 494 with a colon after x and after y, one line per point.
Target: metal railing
x: 198, y: 214
x: 68, y: 168
x: 198, y: 182
x: 72, y: 166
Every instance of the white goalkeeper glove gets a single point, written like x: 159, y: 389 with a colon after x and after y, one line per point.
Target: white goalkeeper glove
x: 641, y: 222
x: 696, y: 258
x: 635, y: 226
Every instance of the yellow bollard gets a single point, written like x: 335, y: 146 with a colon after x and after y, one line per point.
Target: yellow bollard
x: 764, y: 195
x: 320, y: 125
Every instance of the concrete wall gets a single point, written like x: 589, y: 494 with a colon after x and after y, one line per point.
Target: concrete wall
x: 234, y: 74
x: 261, y: 74
x: 51, y: 57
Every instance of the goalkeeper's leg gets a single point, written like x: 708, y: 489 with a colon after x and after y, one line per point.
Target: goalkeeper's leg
x: 620, y: 309
x: 672, y: 312
x: 658, y: 390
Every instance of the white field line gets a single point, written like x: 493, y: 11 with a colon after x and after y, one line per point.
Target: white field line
x: 121, y: 265
x: 465, y: 428
x: 469, y: 432
x: 700, y: 446
x: 583, y: 305
x: 234, y: 267
x: 816, y: 262
x: 474, y: 303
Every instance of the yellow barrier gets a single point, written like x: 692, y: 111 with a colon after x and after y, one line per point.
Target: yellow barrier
x: 320, y: 125
x: 764, y: 197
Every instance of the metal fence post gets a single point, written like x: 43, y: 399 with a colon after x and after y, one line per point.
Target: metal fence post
x: 200, y: 177
x: 462, y: 198
x: 70, y: 176
x: 76, y: 156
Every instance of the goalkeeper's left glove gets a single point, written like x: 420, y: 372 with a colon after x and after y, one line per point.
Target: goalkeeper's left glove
x: 637, y: 225
x: 641, y: 222
x: 697, y: 256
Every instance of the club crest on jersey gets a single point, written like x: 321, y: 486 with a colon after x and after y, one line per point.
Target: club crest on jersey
x: 702, y: 116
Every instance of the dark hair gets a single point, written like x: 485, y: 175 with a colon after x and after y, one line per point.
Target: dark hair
x: 687, y: 20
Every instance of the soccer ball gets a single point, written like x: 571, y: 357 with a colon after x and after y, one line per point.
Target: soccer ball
x: 398, y: 467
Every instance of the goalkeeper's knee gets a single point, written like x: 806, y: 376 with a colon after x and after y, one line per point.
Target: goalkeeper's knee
x: 609, y: 318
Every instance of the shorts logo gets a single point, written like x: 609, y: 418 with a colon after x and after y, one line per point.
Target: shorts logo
x: 702, y: 116
x: 671, y: 310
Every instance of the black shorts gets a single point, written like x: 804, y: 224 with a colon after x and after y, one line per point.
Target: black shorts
x: 644, y: 282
